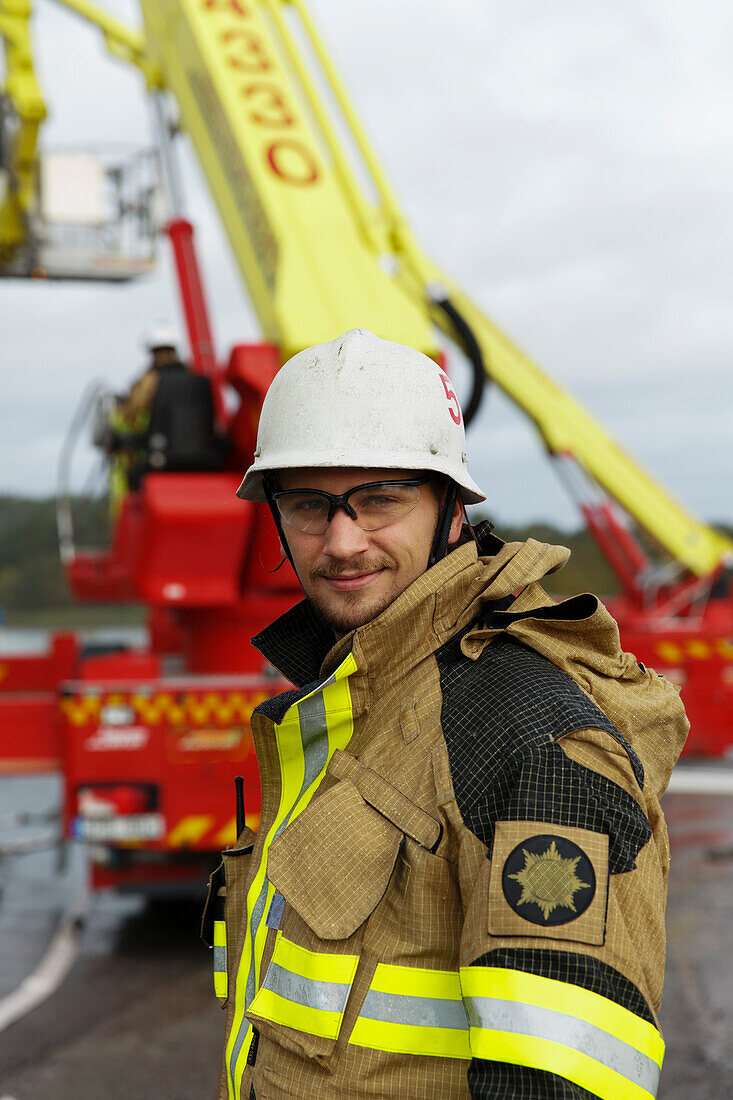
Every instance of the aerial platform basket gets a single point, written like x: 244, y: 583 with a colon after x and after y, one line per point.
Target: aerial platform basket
x: 97, y: 218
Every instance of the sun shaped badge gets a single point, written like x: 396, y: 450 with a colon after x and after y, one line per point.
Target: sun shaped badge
x: 550, y: 880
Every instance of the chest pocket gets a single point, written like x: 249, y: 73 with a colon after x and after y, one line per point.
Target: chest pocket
x: 336, y: 865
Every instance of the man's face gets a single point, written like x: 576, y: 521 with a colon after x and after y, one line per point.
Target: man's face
x: 163, y: 356
x: 350, y: 575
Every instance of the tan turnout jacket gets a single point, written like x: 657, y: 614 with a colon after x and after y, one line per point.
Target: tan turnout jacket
x: 458, y: 884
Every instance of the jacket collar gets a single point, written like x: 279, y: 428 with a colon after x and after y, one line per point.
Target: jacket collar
x: 472, y: 580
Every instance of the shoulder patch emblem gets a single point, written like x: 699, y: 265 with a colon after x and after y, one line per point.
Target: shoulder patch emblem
x: 548, y: 881
x: 544, y: 880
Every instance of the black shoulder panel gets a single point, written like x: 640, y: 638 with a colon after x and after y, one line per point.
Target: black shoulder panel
x: 572, y: 968
x: 504, y: 1081
x: 502, y: 718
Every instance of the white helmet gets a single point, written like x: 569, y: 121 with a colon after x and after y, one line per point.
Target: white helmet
x: 361, y: 402
x: 160, y: 335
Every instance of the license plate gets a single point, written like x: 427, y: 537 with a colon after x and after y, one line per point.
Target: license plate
x: 129, y: 827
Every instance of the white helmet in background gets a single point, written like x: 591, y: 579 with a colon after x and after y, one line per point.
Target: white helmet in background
x: 160, y: 335
x: 361, y: 402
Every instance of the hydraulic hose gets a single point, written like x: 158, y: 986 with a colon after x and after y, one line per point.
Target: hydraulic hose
x: 468, y: 343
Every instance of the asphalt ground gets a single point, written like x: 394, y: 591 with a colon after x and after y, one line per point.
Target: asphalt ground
x: 136, y: 1018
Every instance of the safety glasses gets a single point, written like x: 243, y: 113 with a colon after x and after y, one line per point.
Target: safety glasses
x: 371, y: 506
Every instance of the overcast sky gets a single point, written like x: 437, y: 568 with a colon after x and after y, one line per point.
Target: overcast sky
x: 570, y: 164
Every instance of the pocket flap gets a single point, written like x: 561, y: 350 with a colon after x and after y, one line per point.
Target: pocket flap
x: 391, y: 802
x: 334, y: 862
x: 245, y: 842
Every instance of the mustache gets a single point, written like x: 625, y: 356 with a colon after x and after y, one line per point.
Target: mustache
x: 359, y: 565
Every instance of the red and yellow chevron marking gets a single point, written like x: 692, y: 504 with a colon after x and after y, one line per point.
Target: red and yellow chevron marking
x: 210, y: 708
x: 80, y: 710
x: 204, y: 830
x: 189, y: 830
x: 698, y: 649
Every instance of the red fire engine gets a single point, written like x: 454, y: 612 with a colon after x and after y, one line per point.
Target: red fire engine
x: 149, y: 741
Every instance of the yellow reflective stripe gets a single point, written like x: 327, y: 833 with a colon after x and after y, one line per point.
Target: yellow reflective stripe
x: 336, y: 698
x: 515, y: 985
x: 413, y: 1010
x: 396, y: 992
x: 292, y: 770
x: 314, y: 1021
x: 440, y: 1042
x: 313, y: 964
x: 293, y: 800
x: 305, y: 990
x: 417, y: 982
x: 537, y: 1053
x: 221, y: 981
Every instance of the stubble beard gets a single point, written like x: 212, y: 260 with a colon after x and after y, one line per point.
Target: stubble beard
x: 354, y: 608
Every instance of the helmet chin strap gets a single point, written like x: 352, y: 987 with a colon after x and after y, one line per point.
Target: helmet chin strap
x: 442, y: 531
x: 270, y: 485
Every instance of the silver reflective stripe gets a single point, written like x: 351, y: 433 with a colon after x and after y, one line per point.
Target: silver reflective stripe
x: 309, y: 992
x: 220, y: 958
x: 401, y: 1008
x: 513, y: 1016
x: 314, y: 733
x: 258, y: 911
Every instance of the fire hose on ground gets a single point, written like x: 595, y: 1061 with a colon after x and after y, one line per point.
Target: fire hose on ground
x: 63, y: 948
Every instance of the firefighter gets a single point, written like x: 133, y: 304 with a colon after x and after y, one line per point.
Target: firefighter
x: 130, y: 415
x: 160, y: 341
x: 458, y: 884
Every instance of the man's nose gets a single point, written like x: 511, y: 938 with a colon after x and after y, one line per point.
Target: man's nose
x: 344, y: 538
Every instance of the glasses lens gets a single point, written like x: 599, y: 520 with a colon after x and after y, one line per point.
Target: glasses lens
x: 306, y: 511
x: 380, y: 505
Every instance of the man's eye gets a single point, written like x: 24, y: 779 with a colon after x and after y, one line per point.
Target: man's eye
x: 310, y: 504
x: 383, y: 502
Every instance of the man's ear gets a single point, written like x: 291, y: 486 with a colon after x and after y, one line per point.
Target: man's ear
x: 456, y: 523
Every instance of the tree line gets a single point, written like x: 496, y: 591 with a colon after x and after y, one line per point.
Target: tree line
x: 32, y: 578
x: 31, y: 575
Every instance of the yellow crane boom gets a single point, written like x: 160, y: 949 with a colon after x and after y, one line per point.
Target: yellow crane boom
x: 307, y: 242
x: 320, y: 251
x: 567, y: 428
x: 22, y: 97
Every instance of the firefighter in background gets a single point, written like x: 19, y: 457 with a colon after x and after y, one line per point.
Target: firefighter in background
x: 130, y: 415
x: 458, y: 885
x: 160, y: 342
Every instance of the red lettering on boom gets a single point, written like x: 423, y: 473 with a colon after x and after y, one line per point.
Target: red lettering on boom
x: 302, y: 169
x: 231, y: 7
x: 254, y: 59
x: 274, y: 102
x: 290, y: 160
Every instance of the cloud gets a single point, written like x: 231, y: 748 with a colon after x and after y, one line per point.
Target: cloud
x: 568, y: 164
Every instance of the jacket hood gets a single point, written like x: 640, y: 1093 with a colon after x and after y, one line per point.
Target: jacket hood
x: 581, y: 637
